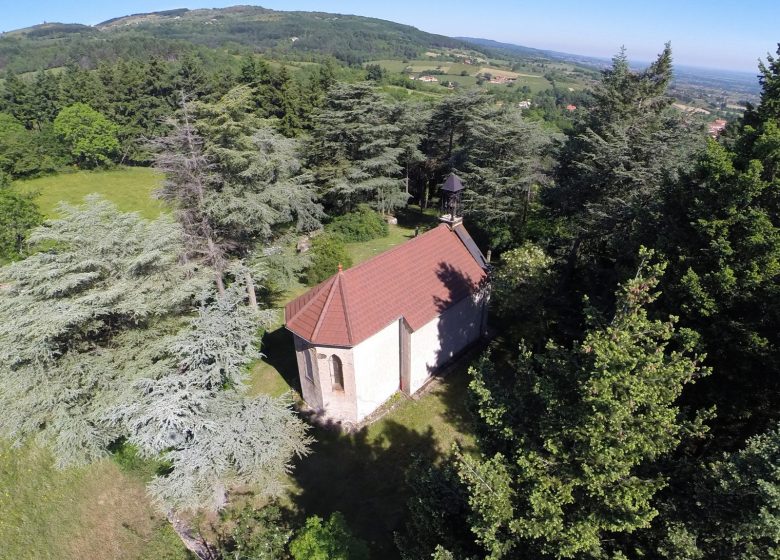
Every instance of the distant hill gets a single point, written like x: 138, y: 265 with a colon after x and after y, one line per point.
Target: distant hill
x: 498, y: 46
x: 729, y: 80
x: 300, y: 35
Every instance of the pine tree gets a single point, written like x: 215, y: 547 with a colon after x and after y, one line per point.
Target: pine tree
x: 720, y: 231
x: 504, y: 166
x: 17, y: 100
x: 98, y: 345
x: 78, y: 85
x: 739, y: 502
x: 614, y: 164
x: 179, y: 155
x: 45, y: 98
x: 233, y: 180
x: 191, y: 78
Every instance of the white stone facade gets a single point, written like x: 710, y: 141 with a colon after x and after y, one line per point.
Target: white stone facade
x: 374, y: 369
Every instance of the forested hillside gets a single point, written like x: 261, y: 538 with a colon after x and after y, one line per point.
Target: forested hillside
x: 297, y: 35
x: 626, y: 406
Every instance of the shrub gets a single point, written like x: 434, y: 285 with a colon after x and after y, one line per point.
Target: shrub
x: 327, y: 252
x: 327, y: 540
x: 363, y: 225
x: 251, y: 533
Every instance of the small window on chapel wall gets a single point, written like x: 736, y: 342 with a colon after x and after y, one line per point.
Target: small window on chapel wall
x: 336, y: 373
x: 308, y: 357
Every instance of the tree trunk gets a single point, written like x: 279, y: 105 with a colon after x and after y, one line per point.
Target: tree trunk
x: 215, y: 257
x: 220, y: 282
x: 250, y: 291
x: 192, y: 540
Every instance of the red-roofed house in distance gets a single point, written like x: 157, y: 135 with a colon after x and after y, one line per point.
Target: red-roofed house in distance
x: 716, y: 127
x: 391, y: 322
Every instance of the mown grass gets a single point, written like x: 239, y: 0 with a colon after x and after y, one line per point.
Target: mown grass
x: 366, y: 249
x: 363, y: 474
x: 96, y: 512
x: 130, y: 188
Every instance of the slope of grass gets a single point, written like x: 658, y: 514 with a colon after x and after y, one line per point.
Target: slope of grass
x: 96, y: 512
x: 130, y: 188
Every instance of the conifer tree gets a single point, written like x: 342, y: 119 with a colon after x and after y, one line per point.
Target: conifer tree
x: 45, y: 98
x: 355, y: 149
x: 738, y: 499
x: 17, y: 100
x: 504, y: 165
x: 720, y: 231
x: 233, y: 180
x: 96, y: 347
x: 615, y: 162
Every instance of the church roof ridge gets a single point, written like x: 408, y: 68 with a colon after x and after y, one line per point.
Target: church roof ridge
x: 416, y: 280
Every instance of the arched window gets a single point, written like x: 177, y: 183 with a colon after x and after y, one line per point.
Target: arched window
x: 336, y: 373
x: 309, y: 363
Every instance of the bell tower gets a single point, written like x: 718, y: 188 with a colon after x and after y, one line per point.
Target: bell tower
x: 451, y: 193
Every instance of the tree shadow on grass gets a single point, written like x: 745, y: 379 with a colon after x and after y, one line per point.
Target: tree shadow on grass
x: 362, y: 475
x: 411, y: 217
x: 279, y: 350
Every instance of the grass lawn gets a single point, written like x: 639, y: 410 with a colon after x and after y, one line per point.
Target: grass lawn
x: 97, y: 512
x: 362, y: 474
x: 130, y: 188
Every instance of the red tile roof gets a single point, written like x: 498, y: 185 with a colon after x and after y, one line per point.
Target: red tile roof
x: 416, y: 280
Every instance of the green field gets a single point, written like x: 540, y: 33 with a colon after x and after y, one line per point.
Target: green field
x: 130, y: 188
x: 530, y: 77
x: 97, y: 512
x: 535, y: 83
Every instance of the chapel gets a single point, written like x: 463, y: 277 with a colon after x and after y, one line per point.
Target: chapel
x: 389, y: 323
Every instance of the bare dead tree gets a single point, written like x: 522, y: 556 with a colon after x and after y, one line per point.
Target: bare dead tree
x: 180, y: 157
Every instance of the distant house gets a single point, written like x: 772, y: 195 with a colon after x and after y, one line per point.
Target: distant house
x: 389, y: 323
x: 428, y: 79
x: 571, y: 107
x: 716, y: 127
x: 526, y: 104
x: 502, y: 80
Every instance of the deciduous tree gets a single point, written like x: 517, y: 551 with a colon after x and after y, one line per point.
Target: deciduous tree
x: 89, y: 135
x: 568, y: 450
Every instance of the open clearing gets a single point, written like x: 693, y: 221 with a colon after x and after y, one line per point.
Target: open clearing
x: 130, y: 188
x: 97, y: 512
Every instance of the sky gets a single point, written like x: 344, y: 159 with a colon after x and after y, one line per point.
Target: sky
x: 713, y: 33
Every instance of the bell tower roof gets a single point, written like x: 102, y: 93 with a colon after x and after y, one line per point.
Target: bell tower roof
x: 453, y: 184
